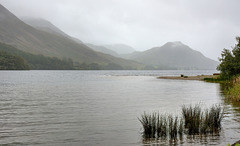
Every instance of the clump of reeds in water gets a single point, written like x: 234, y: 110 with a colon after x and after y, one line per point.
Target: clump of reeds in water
x: 194, y: 121
x: 198, y: 121
x: 192, y: 118
x: 173, y: 127
x: 149, y: 124
x: 161, y: 126
x: 181, y: 127
x: 215, y: 118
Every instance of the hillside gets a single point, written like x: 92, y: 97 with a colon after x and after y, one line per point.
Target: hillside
x: 44, y: 25
x: 174, y: 55
x: 15, y: 32
x: 121, y: 48
x: 102, y: 49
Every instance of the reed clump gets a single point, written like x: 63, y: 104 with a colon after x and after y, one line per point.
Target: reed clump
x: 173, y: 127
x: 215, y: 118
x: 194, y: 120
x: 161, y: 126
x: 198, y: 121
x: 148, y: 122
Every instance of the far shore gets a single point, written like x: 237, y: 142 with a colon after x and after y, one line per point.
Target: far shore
x: 199, y: 77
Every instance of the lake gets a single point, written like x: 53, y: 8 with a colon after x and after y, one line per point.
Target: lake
x: 101, y: 107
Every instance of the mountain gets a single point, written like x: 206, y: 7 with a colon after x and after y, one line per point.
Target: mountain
x: 102, y: 49
x: 121, y: 48
x: 24, y: 37
x: 44, y: 25
x: 174, y: 55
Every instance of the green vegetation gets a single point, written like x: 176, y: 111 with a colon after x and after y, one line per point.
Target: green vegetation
x: 230, y: 62
x: 230, y: 70
x: 161, y: 126
x: 156, y: 125
x: 194, y: 121
x: 192, y: 118
x: 40, y: 62
x: 12, y: 62
x: 216, y: 79
x: 233, y: 91
x: 197, y: 121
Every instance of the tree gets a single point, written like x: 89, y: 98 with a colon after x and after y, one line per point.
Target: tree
x: 12, y: 62
x: 230, y: 61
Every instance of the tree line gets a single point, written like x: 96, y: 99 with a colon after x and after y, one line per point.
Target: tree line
x: 13, y: 59
x: 230, y: 62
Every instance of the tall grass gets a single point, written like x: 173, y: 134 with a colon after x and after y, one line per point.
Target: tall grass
x: 204, y: 126
x: 181, y: 127
x: 215, y: 118
x: 192, y: 116
x: 173, y: 127
x: 149, y: 124
x: 197, y: 121
x: 194, y: 121
x: 162, y: 126
x: 234, y: 92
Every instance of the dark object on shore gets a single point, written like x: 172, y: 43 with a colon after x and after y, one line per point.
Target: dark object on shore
x: 185, y: 76
x: 216, y: 74
x: 182, y: 75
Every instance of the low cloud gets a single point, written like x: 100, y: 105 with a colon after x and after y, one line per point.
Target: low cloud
x: 206, y: 26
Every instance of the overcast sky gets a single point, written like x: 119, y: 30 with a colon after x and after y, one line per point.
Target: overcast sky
x: 205, y: 25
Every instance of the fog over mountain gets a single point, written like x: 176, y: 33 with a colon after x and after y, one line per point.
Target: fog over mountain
x: 207, y: 26
x: 173, y: 55
x: 42, y: 37
x: 53, y: 43
x: 120, y: 48
x: 103, y: 49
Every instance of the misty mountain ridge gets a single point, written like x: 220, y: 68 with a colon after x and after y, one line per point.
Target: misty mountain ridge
x: 24, y: 37
x: 174, y: 55
x: 47, y: 26
x: 121, y: 48
x: 42, y: 37
x: 102, y: 49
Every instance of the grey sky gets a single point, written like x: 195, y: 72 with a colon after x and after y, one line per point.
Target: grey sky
x: 204, y: 25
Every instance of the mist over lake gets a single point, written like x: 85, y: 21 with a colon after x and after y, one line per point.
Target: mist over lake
x: 100, y: 107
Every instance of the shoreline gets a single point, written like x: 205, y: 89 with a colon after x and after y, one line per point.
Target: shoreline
x: 198, y: 78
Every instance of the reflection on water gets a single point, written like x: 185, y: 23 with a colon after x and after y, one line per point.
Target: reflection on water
x: 230, y: 130
x: 209, y: 139
x: 100, y: 107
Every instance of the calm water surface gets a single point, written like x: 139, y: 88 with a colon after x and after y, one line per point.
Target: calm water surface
x: 100, y: 107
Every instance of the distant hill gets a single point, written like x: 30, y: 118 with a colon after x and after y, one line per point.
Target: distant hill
x: 15, y: 32
x: 121, y: 48
x: 174, y: 55
x: 44, y: 25
x: 103, y: 50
